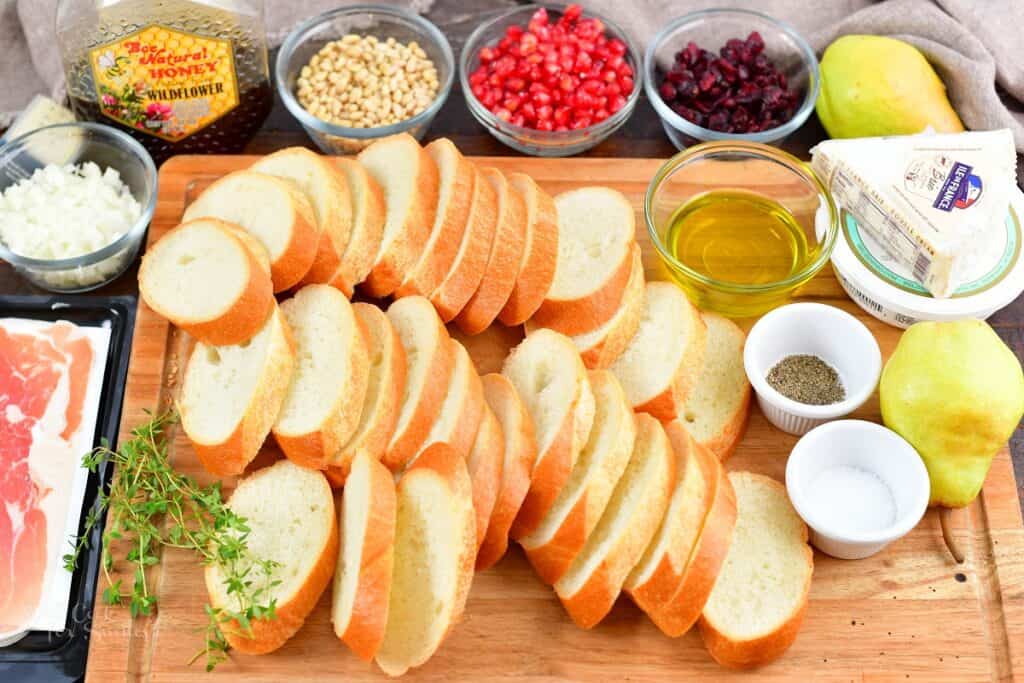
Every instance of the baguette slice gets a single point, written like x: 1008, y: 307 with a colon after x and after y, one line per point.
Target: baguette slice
x: 540, y: 252
x: 590, y: 587
x: 503, y: 262
x: 602, y: 347
x: 457, y: 419
x: 553, y: 545
x: 716, y: 410
x: 769, y: 552
x: 663, y: 360
x: 290, y: 513
x: 596, y: 252
x: 368, y: 214
x: 207, y: 278
x: 520, y: 450
x: 384, y: 387
x: 273, y: 210
x: 366, y: 553
x: 658, y: 575
x: 429, y: 366
x: 325, y: 188
x: 675, y: 616
x: 486, y: 461
x: 325, y: 399
x: 552, y: 383
x: 409, y: 179
x: 467, y: 270
x: 232, y: 395
x: 456, y: 176
x: 435, y: 543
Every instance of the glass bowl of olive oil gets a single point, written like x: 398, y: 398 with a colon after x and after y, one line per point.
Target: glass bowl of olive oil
x: 736, y: 225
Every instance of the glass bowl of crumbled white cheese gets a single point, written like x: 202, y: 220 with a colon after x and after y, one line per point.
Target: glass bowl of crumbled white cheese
x: 75, y: 202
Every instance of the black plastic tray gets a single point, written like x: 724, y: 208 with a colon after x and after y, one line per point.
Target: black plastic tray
x: 52, y: 657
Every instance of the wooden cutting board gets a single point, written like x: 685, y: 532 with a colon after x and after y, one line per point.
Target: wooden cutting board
x: 909, y: 613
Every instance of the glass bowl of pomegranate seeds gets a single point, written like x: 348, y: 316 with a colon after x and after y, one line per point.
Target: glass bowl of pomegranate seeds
x: 550, y: 81
x: 730, y: 74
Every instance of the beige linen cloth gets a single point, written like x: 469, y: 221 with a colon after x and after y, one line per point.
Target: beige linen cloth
x: 975, y: 45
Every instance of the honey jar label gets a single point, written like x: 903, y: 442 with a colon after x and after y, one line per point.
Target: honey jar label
x: 164, y: 82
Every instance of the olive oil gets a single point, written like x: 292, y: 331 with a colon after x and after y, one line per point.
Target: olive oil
x: 739, y: 237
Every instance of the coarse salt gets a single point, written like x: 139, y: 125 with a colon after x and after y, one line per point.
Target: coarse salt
x: 851, y: 500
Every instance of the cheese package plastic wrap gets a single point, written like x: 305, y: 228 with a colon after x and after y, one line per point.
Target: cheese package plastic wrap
x: 932, y: 201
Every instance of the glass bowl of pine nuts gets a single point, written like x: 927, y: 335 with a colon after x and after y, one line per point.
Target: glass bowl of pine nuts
x: 359, y: 73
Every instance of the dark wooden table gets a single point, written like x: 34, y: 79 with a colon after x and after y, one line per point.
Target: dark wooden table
x: 642, y: 136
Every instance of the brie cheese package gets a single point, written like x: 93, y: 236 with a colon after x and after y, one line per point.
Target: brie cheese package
x: 932, y: 201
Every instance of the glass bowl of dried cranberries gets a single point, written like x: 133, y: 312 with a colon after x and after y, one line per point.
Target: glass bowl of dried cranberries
x: 730, y: 74
x: 548, y: 80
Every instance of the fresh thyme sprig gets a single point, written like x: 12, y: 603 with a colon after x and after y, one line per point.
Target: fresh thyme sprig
x: 150, y: 505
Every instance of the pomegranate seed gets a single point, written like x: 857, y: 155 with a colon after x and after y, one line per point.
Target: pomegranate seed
x: 572, y: 13
x: 562, y: 116
x: 600, y: 115
x: 514, y: 32
x: 541, y: 97
x: 544, y: 112
x: 626, y: 85
x: 518, y: 120
x: 545, y: 124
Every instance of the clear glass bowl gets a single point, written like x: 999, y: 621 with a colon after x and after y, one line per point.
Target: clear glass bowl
x: 376, y: 20
x: 710, y: 29
x: 76, y: 143
x: 528, y: 140
x: 752, y: 168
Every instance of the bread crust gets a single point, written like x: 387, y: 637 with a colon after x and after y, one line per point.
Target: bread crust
x: 540, y: 252
x: 520, y: 450
x: 577, y: 316
x: 486, y: 461
x: 364, y: 631
x: 270, y: 634
x: 243, y: 319
x: 748, y: 654
x: 403, y: 251
x: 470, y: 412
x: 233, y: 455
x: 367, y: 227
x: 467, y: 270
x: 439, y: 252
x: 684, y: 608
x: 503, y: 262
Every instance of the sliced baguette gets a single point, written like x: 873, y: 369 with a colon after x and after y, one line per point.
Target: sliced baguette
x: 717, y: 407
x: 550, y: 379
x: 596, y: 251
x: 209, y: 280
x: 503, y: 262
x: 658, y: 575
x: 368, y: 214
x: 272, y: 209
x: 456, y: 177
x: 589, y: 588
x: 759, y: 600
x: 327, y: 191
x: 663, y: 360
x: 553, y: 545
x: 435, y: 544
x: 409, y: 179
x: 540, y: 252
x: 457, y: 419
x: 602, y: 347
x: 486, y: 461
x: 676, y: 615
x: 290, y: 513
x: 231, y: 396
x: 429, y: 366
x: 366, y: 552
x: 467, y: 270
x: 325, y: 398
x: 520, y: 451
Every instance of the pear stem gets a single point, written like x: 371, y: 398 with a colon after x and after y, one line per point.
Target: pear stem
x: 945, y: 520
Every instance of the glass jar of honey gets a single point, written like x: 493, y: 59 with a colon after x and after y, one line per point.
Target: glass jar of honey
x: 180, y: 76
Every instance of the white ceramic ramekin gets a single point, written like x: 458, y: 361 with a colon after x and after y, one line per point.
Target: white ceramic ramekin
x: 827, y: 332
x: 865, y: 446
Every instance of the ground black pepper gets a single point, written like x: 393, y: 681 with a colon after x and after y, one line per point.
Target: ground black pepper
x: 807, y: 379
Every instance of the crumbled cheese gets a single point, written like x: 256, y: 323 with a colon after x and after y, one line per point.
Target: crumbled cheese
x: 66, y: 211
x: 934, y: 202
